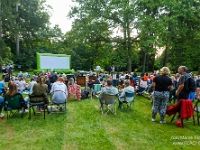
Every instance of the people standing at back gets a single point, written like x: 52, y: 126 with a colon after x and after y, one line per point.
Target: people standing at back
x: 162, y: 85
x: 181, y: 92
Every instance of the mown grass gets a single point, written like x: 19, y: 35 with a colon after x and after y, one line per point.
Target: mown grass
x: 83, y: 127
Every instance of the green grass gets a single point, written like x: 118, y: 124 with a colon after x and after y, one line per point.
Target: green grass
x: 83, y: 127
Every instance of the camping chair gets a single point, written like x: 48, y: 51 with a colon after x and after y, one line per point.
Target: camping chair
x: 185, y: 108
x: 109, y: 101
x: 13, y: 104
x: 96, y: 88
x: 197, y: 109
x: 128, y: 103
x: 51, y: 108
x: 38, y: 101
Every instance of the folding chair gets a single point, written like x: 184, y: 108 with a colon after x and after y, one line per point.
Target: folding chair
x: 197, y: 109
x: 13, y: 103
x: 38, y: 101
x: 63, y: 110
x: 96, y: 88
x: 109, y: 101
x: 128, y: 102
x: 189, y: 110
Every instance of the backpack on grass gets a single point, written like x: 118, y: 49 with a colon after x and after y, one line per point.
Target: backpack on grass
x: 84, y: 95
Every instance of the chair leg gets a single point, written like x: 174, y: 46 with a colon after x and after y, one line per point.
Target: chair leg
x: 193, y: 119
x: 45, y: 106
x: 30, y: 111
x: 173, y: 117
x: 182, y: 123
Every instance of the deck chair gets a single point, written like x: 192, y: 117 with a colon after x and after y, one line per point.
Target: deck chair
x: 96, y: 88
x: 13, y: 105
x: 128, y: 103
x: 38, y: 101
x: 109, y: 101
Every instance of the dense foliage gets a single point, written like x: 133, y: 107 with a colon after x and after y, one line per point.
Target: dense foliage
x: 124, y: 33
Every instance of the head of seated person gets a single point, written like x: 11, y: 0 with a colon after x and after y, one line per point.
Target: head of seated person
x: 109, y: 82
x: 126, y: 83
x: 71, y: 81
x: 12, y: 89
x: 60, y: 79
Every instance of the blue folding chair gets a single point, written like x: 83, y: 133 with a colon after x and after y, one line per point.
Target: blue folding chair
x: 127, y: 101
x: 96, y: 88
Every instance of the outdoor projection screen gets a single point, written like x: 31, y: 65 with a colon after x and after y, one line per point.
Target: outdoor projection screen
x: 53, y: 61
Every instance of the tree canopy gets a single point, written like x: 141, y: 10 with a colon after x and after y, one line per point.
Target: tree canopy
x: 132, y: 34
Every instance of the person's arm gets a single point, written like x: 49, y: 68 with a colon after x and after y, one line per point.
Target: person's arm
x: 181, y: 84
x: 122, y: 94
x: 52, y: 89
x: 180, y: 88
x: 171, y: 87
x: 153, y: 85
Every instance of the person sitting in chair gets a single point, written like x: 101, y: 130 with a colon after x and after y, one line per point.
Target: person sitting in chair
x: 59, y: 91
x: 74, y: 89
x: 94, y: 81
x: 13, y: 91
x: 127, y: 89
x: 41, y: 88
x: 109, y: 89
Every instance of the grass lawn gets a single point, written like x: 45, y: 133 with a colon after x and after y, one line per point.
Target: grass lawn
x: 83, y: 127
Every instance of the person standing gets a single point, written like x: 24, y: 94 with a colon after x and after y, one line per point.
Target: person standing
x: 181, y: 92
x: 162, y: 85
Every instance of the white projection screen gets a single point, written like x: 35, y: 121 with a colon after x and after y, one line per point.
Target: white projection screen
x: 53, y: 61
x: 49, y: 62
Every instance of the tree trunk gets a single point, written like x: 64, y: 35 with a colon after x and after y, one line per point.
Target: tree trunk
x: 17, y: 35
x: 144, y: 62
x: 165, y: 57
x: 199, y: 70
x: 153, y: 62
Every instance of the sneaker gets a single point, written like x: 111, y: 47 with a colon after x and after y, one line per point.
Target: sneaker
x: 26, y: 110
x: 20, y: 111
x: 162, y: 122
x: 1, y: 115
x: 153, y: 120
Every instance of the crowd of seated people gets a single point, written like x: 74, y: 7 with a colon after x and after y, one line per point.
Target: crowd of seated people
x: 61, y: 85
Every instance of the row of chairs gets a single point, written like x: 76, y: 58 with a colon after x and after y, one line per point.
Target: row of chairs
x: 13, y: 105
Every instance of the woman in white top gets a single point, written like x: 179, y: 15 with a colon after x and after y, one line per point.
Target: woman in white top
x: 31, y: 84
x: 59, y: 91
